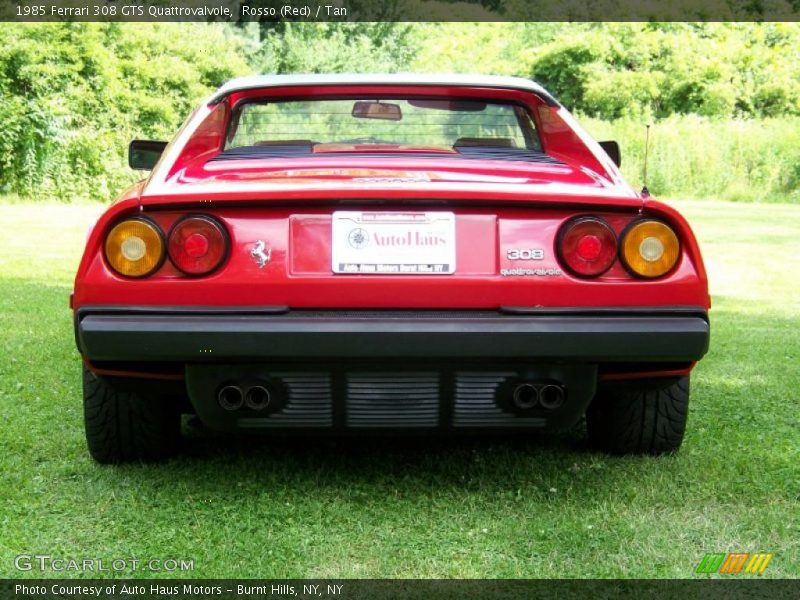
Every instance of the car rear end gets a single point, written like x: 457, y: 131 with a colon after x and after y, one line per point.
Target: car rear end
x: 374, y: 286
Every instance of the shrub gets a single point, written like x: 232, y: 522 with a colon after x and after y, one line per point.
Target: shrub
x: 754, y: 160
x: 72, y: 95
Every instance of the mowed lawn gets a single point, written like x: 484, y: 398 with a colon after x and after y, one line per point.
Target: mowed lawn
x: 543, y: 507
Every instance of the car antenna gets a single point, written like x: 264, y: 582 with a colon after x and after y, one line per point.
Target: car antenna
x: 645, y: 191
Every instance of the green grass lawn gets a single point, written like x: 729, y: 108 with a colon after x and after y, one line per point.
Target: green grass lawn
x: 547, y: 507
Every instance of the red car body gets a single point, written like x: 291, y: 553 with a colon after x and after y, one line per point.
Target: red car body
x: 389, y: 350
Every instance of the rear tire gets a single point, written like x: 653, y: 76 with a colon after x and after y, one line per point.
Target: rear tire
x: 124, y: 425
x: 645, y: 418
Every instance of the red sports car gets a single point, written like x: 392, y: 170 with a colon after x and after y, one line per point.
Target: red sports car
x: 386, y: 253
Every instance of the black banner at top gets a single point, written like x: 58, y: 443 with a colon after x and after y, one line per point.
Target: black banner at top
x: 342, y: 11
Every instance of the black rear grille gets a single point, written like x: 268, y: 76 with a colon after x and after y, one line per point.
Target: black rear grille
x: 475, y: 402
x: 387, y: 397
x: 271, y: 151
x: 463, y: 153
x: 513, y: 154
x: 392, y: 400
x: 308, y: 403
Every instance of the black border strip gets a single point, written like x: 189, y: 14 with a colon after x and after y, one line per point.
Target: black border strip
x: 699, y: 587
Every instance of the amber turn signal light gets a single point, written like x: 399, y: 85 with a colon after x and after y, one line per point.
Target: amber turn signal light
x: 650, y: 248
x: 135, y: 247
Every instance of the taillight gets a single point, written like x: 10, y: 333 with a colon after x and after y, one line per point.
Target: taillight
x: 587, y: 246
x: 649, y: 248
x: 135, y: 247
x: 197, y: 245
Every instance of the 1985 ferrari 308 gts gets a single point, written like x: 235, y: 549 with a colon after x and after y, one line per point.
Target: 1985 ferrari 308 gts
x: 386, y: 253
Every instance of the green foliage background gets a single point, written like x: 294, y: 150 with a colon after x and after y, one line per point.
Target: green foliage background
x: 73, y: 95
x: 723, y: 98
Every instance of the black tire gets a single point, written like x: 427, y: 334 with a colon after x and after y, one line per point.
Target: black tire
x: 123, y: 425
x: 643, y: 418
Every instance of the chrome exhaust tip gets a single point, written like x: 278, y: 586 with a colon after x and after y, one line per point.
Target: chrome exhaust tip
x: 230, y: 397
x: 257, y: 397
x: 526, y: 396
x: 551, y: 396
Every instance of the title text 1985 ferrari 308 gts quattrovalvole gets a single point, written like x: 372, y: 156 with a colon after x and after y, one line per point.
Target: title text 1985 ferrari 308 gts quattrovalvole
x: 386, y: 253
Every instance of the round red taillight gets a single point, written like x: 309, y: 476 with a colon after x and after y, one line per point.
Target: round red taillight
x: 197, y: 245
x: 587, y: 246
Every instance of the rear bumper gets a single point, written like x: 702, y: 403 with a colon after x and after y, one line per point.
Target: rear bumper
x: 128, y: 334
x: 389, y: 371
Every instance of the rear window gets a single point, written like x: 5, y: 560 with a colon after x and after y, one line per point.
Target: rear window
x: 446, y: 124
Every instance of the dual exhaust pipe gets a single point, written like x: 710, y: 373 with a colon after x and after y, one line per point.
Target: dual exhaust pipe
x: 525, y: 396
x: 545, y: 395
x: 233, y: 397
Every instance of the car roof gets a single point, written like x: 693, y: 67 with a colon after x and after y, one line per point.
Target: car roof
x: 490, y: 81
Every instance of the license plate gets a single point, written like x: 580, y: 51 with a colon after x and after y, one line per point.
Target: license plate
x: 394, y: 243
